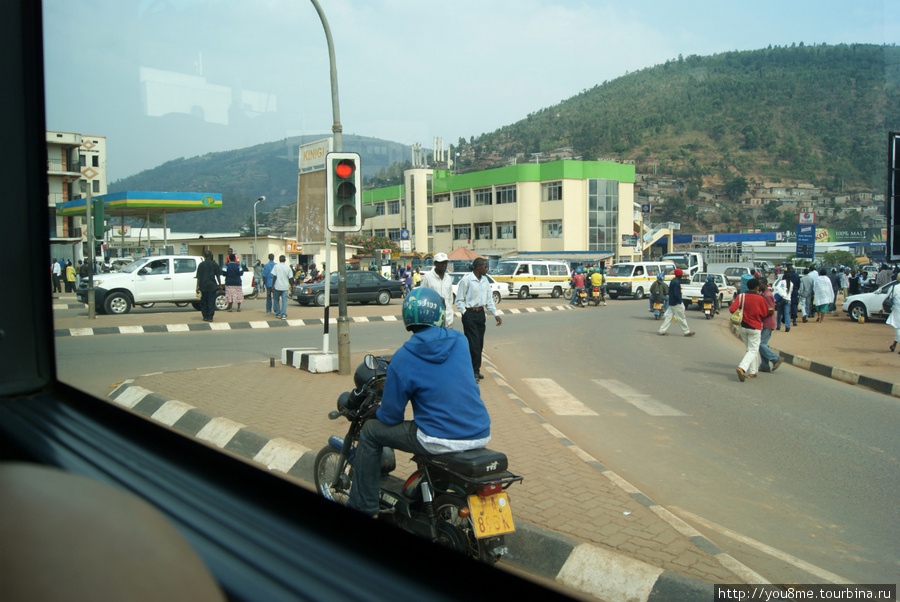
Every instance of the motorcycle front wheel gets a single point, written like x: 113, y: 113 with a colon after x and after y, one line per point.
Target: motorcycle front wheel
x: 325, y: 468
x: 567, y: 294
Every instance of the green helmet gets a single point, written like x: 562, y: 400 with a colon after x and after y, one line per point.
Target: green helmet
x: 423, y: 307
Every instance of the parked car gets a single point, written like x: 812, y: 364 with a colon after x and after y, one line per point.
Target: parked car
x: 497, y: 289
x: 868, y: 305
x: 362, y: 287
x: 151, y: 280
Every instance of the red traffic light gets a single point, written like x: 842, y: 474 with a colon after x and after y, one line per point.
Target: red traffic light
x: 344, y: 169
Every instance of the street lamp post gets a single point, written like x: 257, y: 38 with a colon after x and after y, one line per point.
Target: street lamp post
x: 258, y: 201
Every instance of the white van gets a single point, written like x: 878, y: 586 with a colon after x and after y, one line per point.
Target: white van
x: 634, y: 278
x: 532, y: 277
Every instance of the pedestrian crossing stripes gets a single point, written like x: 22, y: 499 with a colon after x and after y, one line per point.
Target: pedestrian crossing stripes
x: 560, y: 401
x: 643, y: 402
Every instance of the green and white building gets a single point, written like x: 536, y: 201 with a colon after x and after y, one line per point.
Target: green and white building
x: 549, y: 208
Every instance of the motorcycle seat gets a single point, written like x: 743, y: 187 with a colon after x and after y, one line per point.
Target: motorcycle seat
x: 473, y: 463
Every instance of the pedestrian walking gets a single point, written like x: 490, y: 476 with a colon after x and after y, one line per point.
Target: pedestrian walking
x: 766, y: 355
x: 676, y: 307
x: 753, y: 309
x: 55, y: 273
x: 208, y: 284
x: 473, y: 298
x: 438, y: 280
x: 824, y: 294
x: 267, y: 281
x: 282, y: 281
x: 894, y: 317
x: 234, y: 292
x: 70, y: 277
x: 258, y: 282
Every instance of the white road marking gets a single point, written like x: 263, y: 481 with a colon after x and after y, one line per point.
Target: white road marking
x: 783, y: 556
x: 560, y: 401
x: 645, y: 403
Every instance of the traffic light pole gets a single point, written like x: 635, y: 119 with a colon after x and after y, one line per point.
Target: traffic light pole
x: 343, y: 323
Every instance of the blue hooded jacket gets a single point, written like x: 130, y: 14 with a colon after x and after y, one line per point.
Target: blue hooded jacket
x: 433, y: 370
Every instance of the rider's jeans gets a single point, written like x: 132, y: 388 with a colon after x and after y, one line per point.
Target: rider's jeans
x: 575, y: 294
x: 367, y: 462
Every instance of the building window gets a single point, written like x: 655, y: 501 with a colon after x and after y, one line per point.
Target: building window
x: 95, y: 185
x: 603, y: 214
x: 441, y: 229
x: 483, y: 231
x: 506, y: 230
x: 551, y: 228
x: 462, y: 232
x: 379, y: 208
x: 442, y: 198
x: 462, y: 199
x: 506, y: 194
x: 551, y: 191
x: 484, y: 196
x: 380, y: 233
x: 394, y: 234
x: 393, y: 207
x: 95, y: 161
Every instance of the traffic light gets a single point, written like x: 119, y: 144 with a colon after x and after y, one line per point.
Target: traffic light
x: 343, y: 192
x: 98, y: 218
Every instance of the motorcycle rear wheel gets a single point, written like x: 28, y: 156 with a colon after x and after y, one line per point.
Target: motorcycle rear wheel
x: 446, y: 509
x: 324, y: 468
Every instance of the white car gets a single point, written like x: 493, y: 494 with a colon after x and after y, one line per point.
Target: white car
x: 151, y: 280
x: 496, y: 287
x: 867, y: 305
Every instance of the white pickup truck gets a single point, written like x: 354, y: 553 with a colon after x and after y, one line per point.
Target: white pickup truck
x: 151, y: 280
x: 690, y: 291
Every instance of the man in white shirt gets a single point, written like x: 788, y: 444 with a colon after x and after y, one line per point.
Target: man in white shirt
x: 473, y: 298
x: 438, y: 280
x: 283, y: 278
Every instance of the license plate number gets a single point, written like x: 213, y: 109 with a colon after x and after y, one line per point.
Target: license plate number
x: 491, y: 515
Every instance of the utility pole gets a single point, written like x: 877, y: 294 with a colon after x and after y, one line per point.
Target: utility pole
x: 337, y: 131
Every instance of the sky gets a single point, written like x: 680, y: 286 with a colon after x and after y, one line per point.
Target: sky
x: 164, y: 79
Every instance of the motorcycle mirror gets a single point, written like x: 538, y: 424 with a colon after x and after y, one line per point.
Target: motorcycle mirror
x: 370, y: 361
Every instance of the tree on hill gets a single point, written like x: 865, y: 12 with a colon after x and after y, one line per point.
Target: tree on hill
x: 736, y: 187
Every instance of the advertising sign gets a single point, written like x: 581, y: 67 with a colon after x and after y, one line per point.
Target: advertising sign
x: 312, y: 155
x: 806, y: 241
x: 629, y: 240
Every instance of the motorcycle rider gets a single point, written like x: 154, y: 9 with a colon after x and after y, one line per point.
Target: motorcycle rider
x: 710, y: 292
x: 597, y: 280
x: 659, y: 292
x: 433, y: 371
x: 577, y: 285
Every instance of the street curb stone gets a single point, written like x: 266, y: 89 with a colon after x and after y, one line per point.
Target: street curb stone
x: 847, y: 376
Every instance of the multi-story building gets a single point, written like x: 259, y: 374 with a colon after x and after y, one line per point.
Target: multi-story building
x: 555, y: 207
x: 72, y: 160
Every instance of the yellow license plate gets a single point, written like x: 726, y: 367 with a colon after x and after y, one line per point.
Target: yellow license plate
x: 657, y: 306
x: 595, y: 294
x: 491, y: 515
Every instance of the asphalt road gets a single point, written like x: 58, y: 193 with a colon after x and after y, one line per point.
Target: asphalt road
x: 806, y: 465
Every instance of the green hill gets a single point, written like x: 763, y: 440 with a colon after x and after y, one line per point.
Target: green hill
x: 812, y: 113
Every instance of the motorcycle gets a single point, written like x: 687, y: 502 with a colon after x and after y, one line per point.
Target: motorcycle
x: 596, y: 296
x: 581, y: 300
x: 657, y: 309
x: 709, y: 308
x: 456, y: 499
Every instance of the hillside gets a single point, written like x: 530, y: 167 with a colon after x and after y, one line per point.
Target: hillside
x: 243, y: 175
x: 819, y: 114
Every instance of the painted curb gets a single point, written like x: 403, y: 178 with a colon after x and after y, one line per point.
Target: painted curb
x: 846, y: 376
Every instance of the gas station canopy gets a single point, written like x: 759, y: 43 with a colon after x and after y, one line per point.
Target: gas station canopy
x: 138, y: 204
